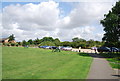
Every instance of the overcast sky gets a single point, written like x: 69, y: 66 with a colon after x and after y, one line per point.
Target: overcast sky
x: 63, y: 20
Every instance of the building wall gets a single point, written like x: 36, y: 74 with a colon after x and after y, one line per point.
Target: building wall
x: 6, y: 41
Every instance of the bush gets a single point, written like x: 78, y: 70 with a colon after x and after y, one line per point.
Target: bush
x: 17, y: 44
x: 13, y: 44
x: 6, y: 44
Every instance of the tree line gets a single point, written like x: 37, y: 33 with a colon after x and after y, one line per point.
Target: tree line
x: 49, y: 41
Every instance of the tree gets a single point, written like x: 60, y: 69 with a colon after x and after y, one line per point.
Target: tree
x: 19, y: 43
x: 11, y: 37
x: 30, y: 41
x: 91, y: 43
x: 47, y: 39
x: 66, y: 43
x: 24, y: 43
x: 47, y: 43
x: 57, y: 42
x: 111, y: 24
x: 76, y: 39
x: 37, y: 41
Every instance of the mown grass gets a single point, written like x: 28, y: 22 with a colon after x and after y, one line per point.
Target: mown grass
x: 36, y: 63
x: 113, y: 58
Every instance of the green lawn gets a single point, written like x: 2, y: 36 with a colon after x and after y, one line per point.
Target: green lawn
x: 36, y: 63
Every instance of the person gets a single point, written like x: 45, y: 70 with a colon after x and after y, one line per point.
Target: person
x: 95, y: 48
x: 59, y: 48
x: 79, y: 49
x: 54, y: 49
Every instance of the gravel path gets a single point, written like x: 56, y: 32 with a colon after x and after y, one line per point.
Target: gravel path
x: 100, y: 69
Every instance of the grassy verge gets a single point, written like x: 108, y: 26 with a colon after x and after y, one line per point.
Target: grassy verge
x: 113, y: 58
x: 35, y: 63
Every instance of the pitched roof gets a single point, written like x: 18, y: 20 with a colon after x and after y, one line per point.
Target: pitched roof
x: 3, y: 39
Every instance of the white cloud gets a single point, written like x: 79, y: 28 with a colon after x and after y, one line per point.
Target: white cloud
x: 31, y: 21
x: 31, y: 16
x: 85, y: 14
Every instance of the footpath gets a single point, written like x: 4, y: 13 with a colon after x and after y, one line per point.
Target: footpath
x: 100, y: 69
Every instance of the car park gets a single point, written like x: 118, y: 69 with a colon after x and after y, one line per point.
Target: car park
x: 67, y: 48
x: 119, y: 49
x: 42, y: 46
x: 114, y: 49
x: 93, y: 48
x: 103, y: 49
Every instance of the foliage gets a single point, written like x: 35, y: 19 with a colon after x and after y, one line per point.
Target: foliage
x: 66, y: 43
x: 11, y: 37
x: 47, y: 39
x: 111, y: 24
x: 57, y: 42
x: 6, y: 44
x: 30, y: 41
x: 47, y: 43
x: 13, y: 44
x: 37, y: 41
x: 76, y: 39
x: 76, y: 42
x: 24, y: 43
x: 19, y: 43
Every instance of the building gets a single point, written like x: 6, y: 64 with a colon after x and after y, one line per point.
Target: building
x: 6, y: 40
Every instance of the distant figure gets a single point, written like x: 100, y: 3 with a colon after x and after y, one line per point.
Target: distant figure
x: 59, y: 48
x: 79, y: 49
x: 54, y: 49
x: 95, y: 48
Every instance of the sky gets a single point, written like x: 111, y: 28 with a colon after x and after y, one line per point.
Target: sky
x: 58, y: 19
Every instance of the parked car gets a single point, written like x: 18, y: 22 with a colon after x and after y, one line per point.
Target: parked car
x: 103, y: 49
x: 42, y: 46
x: 119, y: 49
x: 93, y: 48
x: 67, y: 48
x: 114, y: 49
x: 53, y: 47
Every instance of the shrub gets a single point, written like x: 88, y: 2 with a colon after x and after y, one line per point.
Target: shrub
x: 17, y: 44
x: 13, y: 44
x: 6, y: 44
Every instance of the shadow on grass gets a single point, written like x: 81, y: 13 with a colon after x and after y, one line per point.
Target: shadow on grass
x: 84, y: 54
x: 94, y: 55
x: 110, y: 55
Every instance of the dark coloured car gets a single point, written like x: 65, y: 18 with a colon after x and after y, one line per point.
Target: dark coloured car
x: 119, y: 49
x: 114, y: 49
x: 42, y: 46
x: 103, y: 49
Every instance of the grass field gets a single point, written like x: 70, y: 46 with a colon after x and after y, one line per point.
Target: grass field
x: 36, y: 63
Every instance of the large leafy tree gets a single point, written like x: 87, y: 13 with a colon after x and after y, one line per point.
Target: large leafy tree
x: 57, y: 42
x: 47, y: 39
x: 30, y: 41
x: 37, y: 41
x: 76, y: 39
x: 111, y: 24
